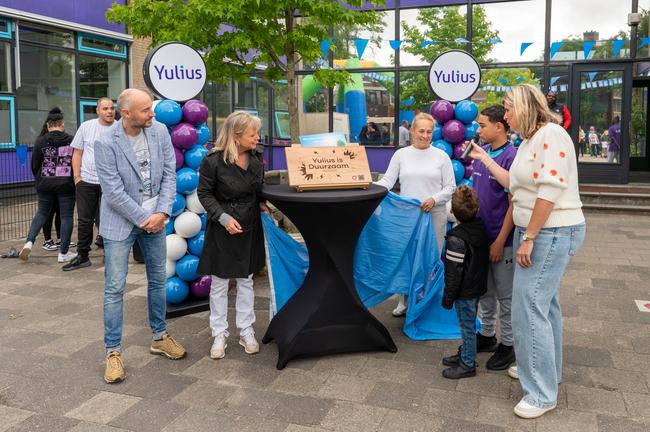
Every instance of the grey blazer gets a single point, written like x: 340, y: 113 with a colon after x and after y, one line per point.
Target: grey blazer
x: 121, y: 181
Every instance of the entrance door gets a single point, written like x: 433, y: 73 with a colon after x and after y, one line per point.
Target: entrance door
x: 639, y: 122
x: 601, y: 96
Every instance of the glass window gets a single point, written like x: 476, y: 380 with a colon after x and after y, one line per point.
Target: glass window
x: 99, y: 45
x: 573, y: 22
x: 496, y: 82
x: 5, y: 28
x: 559, y: 83
x: 282, y: 95
x: 425, y: 33
x: 224, y: 105
x: 7, y: 133
x: 5, y: 67
x: 638, y: 124
x: 48, y: 80
x: 378, y: 52
x: 494, y: 20
x: 99, y: 77
x: 207, y: 95
x: 34, y: 33
x: 245, y: 94
x: 89, y: 110
x: 643, y: 29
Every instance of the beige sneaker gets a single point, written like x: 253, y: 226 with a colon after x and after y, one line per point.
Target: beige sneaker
x: 114, y: 368
x: 168, y: 347
x: 249, y: 343
x: 218, y: 350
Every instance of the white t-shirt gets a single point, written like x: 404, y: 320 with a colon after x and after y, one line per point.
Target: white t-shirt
x: 141, y: 150
x: 422, y: 174
x: 84, y: 140
x: 404, y: 136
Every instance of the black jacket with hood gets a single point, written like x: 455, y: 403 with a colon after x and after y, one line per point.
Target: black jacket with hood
x: 52, y: 163
x: 466, y: 256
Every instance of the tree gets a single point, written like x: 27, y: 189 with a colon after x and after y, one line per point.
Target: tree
x: 504, y: 78
x: 240, y: 38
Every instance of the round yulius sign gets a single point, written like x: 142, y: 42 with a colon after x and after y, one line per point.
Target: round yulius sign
x: 454, y: 75
x: 175, y: 71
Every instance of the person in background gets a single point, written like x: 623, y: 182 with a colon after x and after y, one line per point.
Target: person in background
x: 425, y: 173
x: 496, y: 212
x: 466, y: 277
x: 404, y: 134
x: 582, y: 141
x: 52, y: 169
x: 594, y: 142
x: 88, y: 191
x: 136, y: 167
x: 614, y: 147
x: 549, y: 229
x: 385, y: 134
x: 370, y: 134
x: 604, y: 143
x: 230, y: 182
x: 560, y: 110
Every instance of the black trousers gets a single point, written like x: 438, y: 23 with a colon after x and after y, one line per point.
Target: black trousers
x: 88, y: 197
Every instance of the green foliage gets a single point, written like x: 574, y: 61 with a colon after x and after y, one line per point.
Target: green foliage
x: 492, y: 77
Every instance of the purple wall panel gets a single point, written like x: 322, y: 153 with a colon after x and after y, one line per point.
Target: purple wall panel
x: 15, y: 173
x: 86, y: 12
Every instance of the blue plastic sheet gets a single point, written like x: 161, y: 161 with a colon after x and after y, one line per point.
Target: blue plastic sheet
x: 396, y: 254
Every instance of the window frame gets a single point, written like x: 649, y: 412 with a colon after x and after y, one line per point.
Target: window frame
x: 84, y: 49
x: 12, y: 122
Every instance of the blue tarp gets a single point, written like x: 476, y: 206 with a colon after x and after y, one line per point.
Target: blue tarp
x: 396, y: 254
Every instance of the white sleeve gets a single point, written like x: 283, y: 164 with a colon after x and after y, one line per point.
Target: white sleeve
x: 392, y: 173
x: 78, y: 140
x: 448, y: 182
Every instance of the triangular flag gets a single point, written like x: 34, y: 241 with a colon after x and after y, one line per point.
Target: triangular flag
x: 587, y: 46
x: 524, y: 45
x: 520, y: 79
x: 325, y: 46
x: 592, y: 75
x: 618, y: 44
x: 555, y: 47
x: 395, y: 43
x: 554, y: 80
x: 426, y: 43
x: 21, y: 154
x: 644, y: 42
x: 361, y: 45
x: 503, y: 81
x: 461, y: 40
x: 495, y: 40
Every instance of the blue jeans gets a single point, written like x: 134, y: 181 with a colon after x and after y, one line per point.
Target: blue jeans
x: 46, y: 202
x: 116, y: 254
x: 466, y: 312
x: 536, y: 313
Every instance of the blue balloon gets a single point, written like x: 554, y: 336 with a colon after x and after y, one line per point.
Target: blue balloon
x: 459, y: 170
x: 194, y: 156
x: 168, y: 112
x: 204, y: 133
x: 187, y: 180
x: 517, y: 142
x: 437, y: 132
x: 444, y: 146
x: 186, y: 268
x: 466, y: 182
x: 179, y: 204
x: 471, y: 130
x: 169, y: 226
x: 204, y: 220
x: 466, y: 111
x: 195, y: 244
x: 176, y: 290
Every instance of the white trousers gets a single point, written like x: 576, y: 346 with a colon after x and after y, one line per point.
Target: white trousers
x: 245, y: 312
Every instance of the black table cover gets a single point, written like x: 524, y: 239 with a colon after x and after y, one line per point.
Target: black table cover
x: 326, y: 316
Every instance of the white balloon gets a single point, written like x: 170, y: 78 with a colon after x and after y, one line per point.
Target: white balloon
x: 187, y: 224
x: 176, y: 246
x: 170, y: 268
x: 193, y: 204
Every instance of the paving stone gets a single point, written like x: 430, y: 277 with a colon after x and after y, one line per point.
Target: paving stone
x: 344, y: 387
x: 418, y: 354
x: 198, y: 421
x: 396, y: 396
x: 205, y: 395
x: 431, y: 376
x: 233, y: 372
x: 620, y: 424
x: 95, y: 427
x: 587, y: 356
x: 12, y: 416
x: 301, y: 428
x: 638, y: 405
x: 615, y: 379
x: 641, y: 345
x: 595, y: 400
x: 498, y: 412
x: 386, y: 370
x: 148, y: 415
x: 344, y: 364
x: 298, y: 382
x: 103, y: 408
x: 44, y: 423
x: 347, y: 416
x: 488, y: 384
x: 401, y: 421
x: 64, y: 346
x: 456, y: 425
x: 450, y: 404
x: 27, y: 340
x: 147, y: 383
x: 567, y: 420
x: 631, y: 361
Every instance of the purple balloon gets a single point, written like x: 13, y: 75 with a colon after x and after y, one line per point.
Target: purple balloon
x: 469, y: 170
x: 180, y: 159
x: 458, y: 150
x: 453, y: 131
x: 201, y: 287
x: 443, y: 111
x: 195, y: 112
x: 184, y: 136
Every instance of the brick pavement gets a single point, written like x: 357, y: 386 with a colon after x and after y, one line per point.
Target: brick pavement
x: 51, y: 360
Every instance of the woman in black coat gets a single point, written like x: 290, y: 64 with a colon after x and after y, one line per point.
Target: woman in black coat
x: 230, y: 182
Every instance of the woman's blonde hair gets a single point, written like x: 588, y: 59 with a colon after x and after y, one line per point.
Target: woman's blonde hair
x: 422, y: 116
x: 530, y: 109
x: 234, y: 127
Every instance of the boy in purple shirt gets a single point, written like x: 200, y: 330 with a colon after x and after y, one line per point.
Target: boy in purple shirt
x: 496, y: 211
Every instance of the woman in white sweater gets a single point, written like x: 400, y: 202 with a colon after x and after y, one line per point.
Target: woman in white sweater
x: 424, y: 172
x: 550, y: 227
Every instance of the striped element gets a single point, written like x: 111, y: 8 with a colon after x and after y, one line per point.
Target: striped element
x: 455, y: 256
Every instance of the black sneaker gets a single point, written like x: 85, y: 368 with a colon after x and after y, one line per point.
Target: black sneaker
x: 485, y: 343
x: 461, y: 370
x: 452, y: 360
x: 502, y: 358
x: 58, y: 244
x: 99, y: 242
x: 77, y: 263
x: 49, y: 245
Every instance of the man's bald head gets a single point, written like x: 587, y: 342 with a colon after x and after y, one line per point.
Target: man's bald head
x: 135, y: 106
x: 131, y: 95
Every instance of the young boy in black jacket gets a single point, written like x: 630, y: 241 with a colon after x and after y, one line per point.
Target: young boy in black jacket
x: 466, y: 269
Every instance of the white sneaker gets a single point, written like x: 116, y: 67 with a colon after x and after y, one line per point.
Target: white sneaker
x: 400, y: 309
x: 528, y: 411
x: 218, y: 350
x: 513, y: 372
x: 25, y: 251
x: 67, y: 256
x: 249, y: 343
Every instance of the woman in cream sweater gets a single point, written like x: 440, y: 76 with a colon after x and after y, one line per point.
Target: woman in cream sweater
x: 550, y: 227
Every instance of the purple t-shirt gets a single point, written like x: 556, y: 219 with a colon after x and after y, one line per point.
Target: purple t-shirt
x: 493, y: 197
x: 614, y: 133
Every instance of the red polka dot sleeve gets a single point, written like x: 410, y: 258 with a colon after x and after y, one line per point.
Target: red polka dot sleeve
x: 551, y: 148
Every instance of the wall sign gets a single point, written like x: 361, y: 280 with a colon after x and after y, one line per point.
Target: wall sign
x: 454, y: 75
x: 175, y: 71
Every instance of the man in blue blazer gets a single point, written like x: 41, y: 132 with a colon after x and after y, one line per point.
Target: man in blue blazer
x: 136, y: 169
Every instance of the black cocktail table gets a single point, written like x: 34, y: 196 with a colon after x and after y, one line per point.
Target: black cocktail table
x: 326, y: 316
